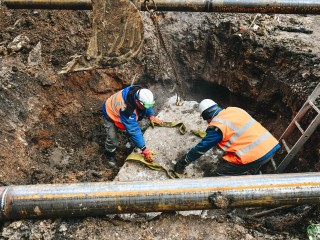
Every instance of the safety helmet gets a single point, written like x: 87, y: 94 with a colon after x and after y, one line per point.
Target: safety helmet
x: 207, y: 107
x: 145, y: 97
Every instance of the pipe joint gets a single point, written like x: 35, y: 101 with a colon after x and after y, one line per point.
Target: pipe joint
x: 3, y: 192
x: 219, y: 200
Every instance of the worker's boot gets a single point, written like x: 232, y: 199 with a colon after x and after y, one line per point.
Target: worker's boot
x: 129, y: 148
x: 111, y: 158
x: 181, y: 164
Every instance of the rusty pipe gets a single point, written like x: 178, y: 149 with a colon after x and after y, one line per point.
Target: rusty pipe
x: 100, y: 198
x: 242, y: 6
x: 49, y: 4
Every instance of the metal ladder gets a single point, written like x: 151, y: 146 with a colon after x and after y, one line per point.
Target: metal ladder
x: 291, y: 152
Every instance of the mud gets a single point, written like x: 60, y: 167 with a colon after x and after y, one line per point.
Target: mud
x: 52, y: 126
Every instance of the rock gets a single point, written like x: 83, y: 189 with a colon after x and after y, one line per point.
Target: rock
x: 16, y: 225
x: 34, y: 57
x: 18, y: 43
x: 3, y: 50
x: 63, y: 228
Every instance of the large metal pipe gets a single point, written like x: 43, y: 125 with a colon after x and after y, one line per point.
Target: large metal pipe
x: 241, y: 6
x: 49, y: 4
x: 92, y: 199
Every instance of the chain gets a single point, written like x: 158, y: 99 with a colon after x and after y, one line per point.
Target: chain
x: 179, y: 90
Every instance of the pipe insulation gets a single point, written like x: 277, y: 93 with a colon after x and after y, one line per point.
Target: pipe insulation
x: 101, y: 198
x: 241, y: 6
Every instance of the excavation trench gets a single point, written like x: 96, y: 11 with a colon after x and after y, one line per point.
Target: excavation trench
x: 52, y: 129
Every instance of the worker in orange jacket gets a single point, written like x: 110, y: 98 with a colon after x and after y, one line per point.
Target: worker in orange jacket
x: 122, y: 111
x: 247, y: 145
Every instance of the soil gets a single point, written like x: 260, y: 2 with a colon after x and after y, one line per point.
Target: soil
x: 52, y: 125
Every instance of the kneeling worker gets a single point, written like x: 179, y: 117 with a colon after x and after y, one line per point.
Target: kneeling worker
x: 123, y: 110
x: 247, y: 145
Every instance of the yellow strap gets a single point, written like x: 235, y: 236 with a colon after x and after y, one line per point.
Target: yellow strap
x: 140, y: 158
x: 199, y: 133
x: 182, y: 127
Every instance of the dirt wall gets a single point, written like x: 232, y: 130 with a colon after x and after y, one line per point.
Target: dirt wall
x: 51, y: 129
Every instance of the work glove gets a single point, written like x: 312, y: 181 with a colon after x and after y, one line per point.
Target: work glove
x: 181, y: 164
x: 155, y: 121
x: 148, y: 155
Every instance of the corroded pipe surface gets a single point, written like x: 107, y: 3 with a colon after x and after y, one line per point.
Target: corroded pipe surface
x: 49, y: 4
x: 241, y: 6
x: 93, y: 199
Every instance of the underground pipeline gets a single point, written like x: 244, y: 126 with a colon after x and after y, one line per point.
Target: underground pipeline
x: 101, y: 198
x: 241, y: 6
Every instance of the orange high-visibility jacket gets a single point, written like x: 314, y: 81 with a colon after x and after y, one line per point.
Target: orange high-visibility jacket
x: 113, y: 106
x: 244, y: 140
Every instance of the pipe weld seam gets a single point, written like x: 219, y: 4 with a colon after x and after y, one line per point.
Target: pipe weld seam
x: 3, y: 197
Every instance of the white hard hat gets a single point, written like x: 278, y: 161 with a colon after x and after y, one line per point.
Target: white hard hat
x: 145, y: 97
x: 208, y: 108
x: 205, y: 104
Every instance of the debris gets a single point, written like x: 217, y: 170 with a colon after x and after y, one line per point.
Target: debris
x: 117, y: 36
x: 18, y: 43
x: 260, y: 214
x: 313, y: 231
x: 219, y: 200
x: 254, y: 19
x: 295, y: 29
x: 34, y: 57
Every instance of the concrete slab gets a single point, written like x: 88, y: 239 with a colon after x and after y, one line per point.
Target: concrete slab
x: 169, y: 144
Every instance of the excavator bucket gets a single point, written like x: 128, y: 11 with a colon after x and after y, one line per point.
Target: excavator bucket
x: 117, y: 36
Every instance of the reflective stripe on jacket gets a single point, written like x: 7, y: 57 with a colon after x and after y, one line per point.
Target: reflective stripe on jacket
x: 244, y: 139
x: 114, y: 104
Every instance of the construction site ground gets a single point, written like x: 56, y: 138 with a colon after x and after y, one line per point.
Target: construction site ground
x: 52, y: 126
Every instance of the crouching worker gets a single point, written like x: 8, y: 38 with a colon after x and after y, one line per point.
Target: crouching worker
x: 247, y: 145
x: 122, y: 111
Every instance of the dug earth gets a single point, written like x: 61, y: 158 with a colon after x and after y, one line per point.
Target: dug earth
x: 52, y: 125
